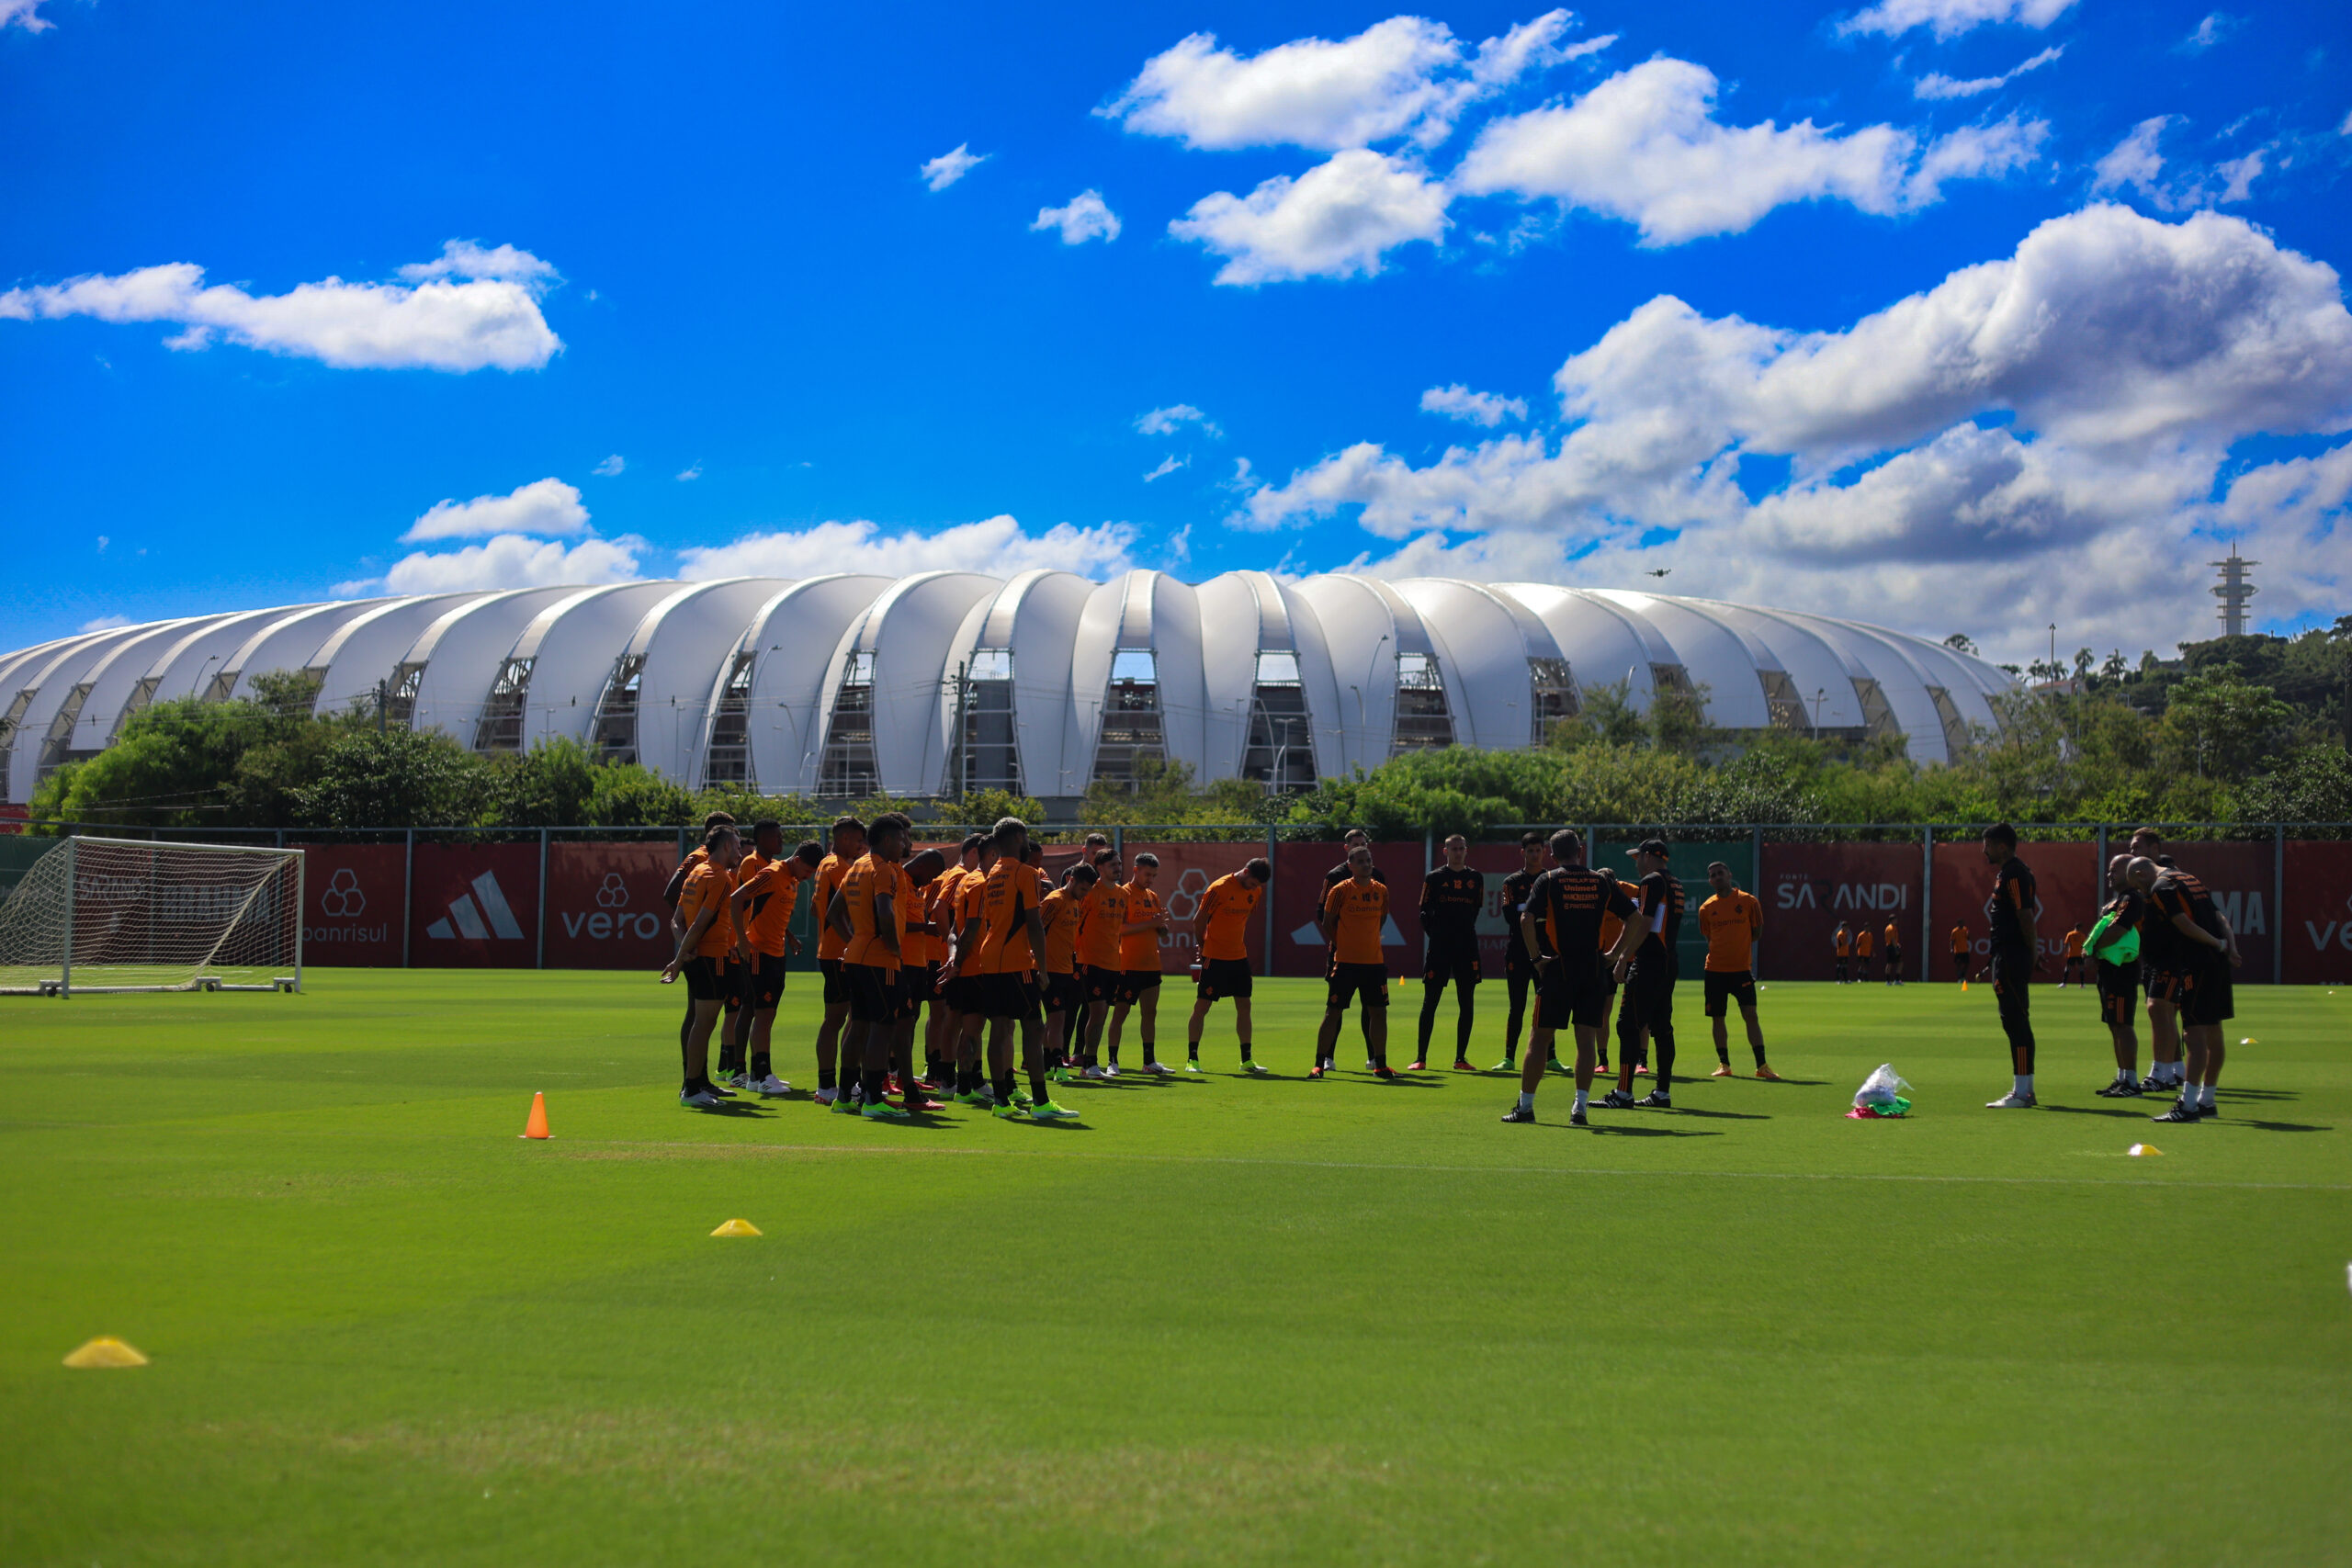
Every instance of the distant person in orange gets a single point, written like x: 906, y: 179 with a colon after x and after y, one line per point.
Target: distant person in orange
x: 1098, y: 948
x: 849, y: 844
x: 1893, y: 950
x: 1862, y: 943
x: 869, y: 911
x: 1060, y: 912
x: 707, y: 936
x: 1844, y: 939
x: 1732, y: 920
x: 2074, y: 970
x: 1962, y: 950
x: 763, y: 906
x: 1139, y: 936
x: 1221, y: 934
x: 1354, y: 911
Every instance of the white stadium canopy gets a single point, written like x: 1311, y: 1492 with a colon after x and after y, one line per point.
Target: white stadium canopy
x: 1043, y: 682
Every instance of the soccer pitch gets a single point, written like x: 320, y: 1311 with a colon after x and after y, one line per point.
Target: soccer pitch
x: 1222, y: 1321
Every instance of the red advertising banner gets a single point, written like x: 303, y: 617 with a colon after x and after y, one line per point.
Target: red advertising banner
x: 474, y: 906
x: 1186, y: 873
x: 1806, y: 891
x: 2240, y: 877
x: 2319, y: 916
x: 605, y: 909
x: 2066, y: 875
x: 1298, y: 892
x: 351, y: 904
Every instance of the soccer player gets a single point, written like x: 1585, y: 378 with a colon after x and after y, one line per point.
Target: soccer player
x: 706, y: 935
x: 1562, y: 926
x: 670, y: 893
x: 1221, y: 932
x: 1001, y: 943
x: 1649, y: 977
x: 849, y: 845
x: 762, y: 907
x: 925, y: 954
x: 1060, y: 912
x: 1962, y: 950
x: 1139, y: 938
x: 2200, y: 951
x: 1863, y: 956
x: 2164, y: 1013
x: 1629, y: 1038
x: 2114, y: 950
x: 1098, y: 948
x: 1732, y: 920
x: 2013, y: 912
x: 1845, y: 936
x: 1519, y: 965
x: 1894, y: 953
x: 1332, y: 878
x: 1453, y: 896
x: 1354, y: 912
x: 869, y: 914
x: 2074, y: 970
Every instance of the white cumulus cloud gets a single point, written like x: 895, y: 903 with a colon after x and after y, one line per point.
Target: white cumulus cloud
x: 1173, y: 418
x: 511, y: 560
x: 1950, y: 18
x: 1337, y: 220
x: 543, y: 506
x: 952, y: 166
x: 2215, y: 26
x: 1645, y: 146
x: 104, y: 623
x: 996, y: 545
x: 466, y: 258
x: 1458, y: 401
x: 610, y: 467
x: 2137, y: 163
x: 25, y: 14
x: 1405, y: 76
x: 1936, y: 84
x: 1086, y: 217
x: 443, y: 321
x: 1168, y: 465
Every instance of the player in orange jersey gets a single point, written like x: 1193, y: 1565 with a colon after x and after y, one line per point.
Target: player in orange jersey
x: 1355, y: 912
x: 1862, y: 943
x: 1140, y: 936
x: 707, y: 936
x: 2074, y: 970
x: 1732, y: 920
x: 1893, y: 949
x: 869, y: 914
x: 1060, y: 912
x: 849, y: 844
x: 765, y: 895
x: 1962, y: 950
x: 1845, y: 940
x: 1098, y: 949
x: 1221, y: 932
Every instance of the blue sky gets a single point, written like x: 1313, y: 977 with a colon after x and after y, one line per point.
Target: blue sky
x: 1956, y: 315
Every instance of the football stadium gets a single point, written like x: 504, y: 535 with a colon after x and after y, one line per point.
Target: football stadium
x: 845, y: 686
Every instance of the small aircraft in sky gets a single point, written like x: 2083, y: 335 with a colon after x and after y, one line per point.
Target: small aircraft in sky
x: 1661, y: 572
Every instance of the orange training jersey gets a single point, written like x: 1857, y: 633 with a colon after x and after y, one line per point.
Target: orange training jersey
x: 967, y: 910
x: 868, y: 881
x: 775, y: 890
x: 2074, y: 944
x: 1845, y: 945
x: 1893, y: 937
x: 1098, y: 940
x: 1862, y: 943
x: 1222, y: 923
x: 1140, y: 950
x: 1731, y: 926
x: 1058, y: 913
x: 1612, y: 925
x: 1358, y: 913
x: 830, y: 872
x: 1960, y: 939
x: 708, y: 887
x: 1007, y: 898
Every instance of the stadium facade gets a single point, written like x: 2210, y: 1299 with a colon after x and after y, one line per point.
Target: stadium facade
x: 1041, y: 684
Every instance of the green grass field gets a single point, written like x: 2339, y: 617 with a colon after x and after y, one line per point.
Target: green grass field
x: 1223, y: 1321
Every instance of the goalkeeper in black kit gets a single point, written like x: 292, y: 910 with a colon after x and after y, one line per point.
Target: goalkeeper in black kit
x: 1452, y: 899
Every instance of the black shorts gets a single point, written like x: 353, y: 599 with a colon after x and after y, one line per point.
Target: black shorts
x: 1347, y: 981
x: 2208, y: 993
x: 765, y: 979
x: 1108, y: 986
x: 1459, y: 965
x: 1893, y: 958
x: 1570, y: 995
x: 1222, y: 978
x: 2119, y: 988
x: 2163, y: 986
x: 1064, y: 994
x: 920, y: 982
x: 956, y: 994
x: 708, y: 979
x: 1006, y: 996
x: 1516, y: 965
x: 1725, y: 986
x: 1138, y: 981
x: 876, y: 995
x: 836, y: 984
x: 1649, y: 994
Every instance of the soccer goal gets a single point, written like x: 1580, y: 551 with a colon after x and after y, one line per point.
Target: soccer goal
x: 118, y: 915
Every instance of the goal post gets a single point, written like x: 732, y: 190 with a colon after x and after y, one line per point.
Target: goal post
x: 128, y: 915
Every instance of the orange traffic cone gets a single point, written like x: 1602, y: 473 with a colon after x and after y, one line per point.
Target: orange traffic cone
x: 537, y: 1127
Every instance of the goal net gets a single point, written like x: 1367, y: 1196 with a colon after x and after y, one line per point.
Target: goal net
x: 117, y: 915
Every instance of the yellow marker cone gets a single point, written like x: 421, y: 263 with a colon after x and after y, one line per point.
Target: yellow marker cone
x: 2248, y: 1041
x: 737, y: 1228
x: 2138, y: 1149
x: 105, y: 1351
x: 536, y: 1124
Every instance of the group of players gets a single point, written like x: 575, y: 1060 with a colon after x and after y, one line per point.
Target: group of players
x: 1854, y: 947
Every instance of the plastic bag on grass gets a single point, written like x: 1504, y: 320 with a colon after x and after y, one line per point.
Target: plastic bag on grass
x: 1880, y: 1095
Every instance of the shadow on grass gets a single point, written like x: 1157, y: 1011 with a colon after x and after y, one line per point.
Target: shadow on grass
x: 1615, y: 1131
x: 1723, y: 1115
x: 2258, y: 1093
x: 2133, y: 1115
x: 2270, y: 1126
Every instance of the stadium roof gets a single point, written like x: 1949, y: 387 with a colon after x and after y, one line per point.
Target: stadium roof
x: 1042, y: 683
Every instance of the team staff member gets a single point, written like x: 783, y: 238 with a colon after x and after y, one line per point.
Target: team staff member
x: 2164, y: 1015
x: 1221, y: 933
x: 1894, y: 953
x: 2114, y: 950
x: 870, y: 914
x: 1065, y: 1002
x: 762, y: 907
x: 1961, y: 949
x: 1732, y: 920
x: 1352, y: 913
x: 706, y: 934
x: 1649, y: 977
x: 1519, y: 963
x: 1844, y: 949
x: 2202, y: 951
x: 1098, y: 947
x: 1139, y: 938
x: 2013, y: 912
x: 2074, y: 969
x: 1453, y: 897
x: 1562, y: 927
x: 849, y: 844
x: 1862, y: 954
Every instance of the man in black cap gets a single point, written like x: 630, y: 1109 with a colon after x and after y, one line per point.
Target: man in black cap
x: 1649, y: 979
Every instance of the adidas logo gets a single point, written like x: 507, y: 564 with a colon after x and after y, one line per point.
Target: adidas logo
x: 467, y: 920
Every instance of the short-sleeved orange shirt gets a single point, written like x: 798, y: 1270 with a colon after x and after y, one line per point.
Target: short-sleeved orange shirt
x: 1058, y: 913
x: 708, y: 886
x: 1613, y: 926
x: 1960, y: 939
x: 1006, y: 898
x: 1359, y: 913
x: 1106, y: 912
x: 1893, y: 937
x: 1731, y: 926
x: 775, y: 891
x: 830, y: 871
x: 2074, y: 944
x: 1862, y: 943
x: 1844, y: 944
x: 870, y: 881
x: 1221, y: 922
x: 1140, y: 950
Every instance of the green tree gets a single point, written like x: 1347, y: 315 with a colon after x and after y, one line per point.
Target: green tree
x: 398, y: 778
x: 2314, y: 784
x: 1606, y: 714
x: 2218, y: 725
x: 552, y: 785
